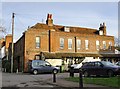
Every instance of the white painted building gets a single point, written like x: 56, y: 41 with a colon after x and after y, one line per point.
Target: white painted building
x: 2, y: 52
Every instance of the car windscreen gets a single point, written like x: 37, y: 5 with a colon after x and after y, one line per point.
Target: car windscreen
x: 108, y: 63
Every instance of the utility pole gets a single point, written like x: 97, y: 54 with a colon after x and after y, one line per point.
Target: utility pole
x: 13, y: 15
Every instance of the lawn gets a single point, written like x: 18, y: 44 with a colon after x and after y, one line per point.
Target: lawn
x: 111, y: 82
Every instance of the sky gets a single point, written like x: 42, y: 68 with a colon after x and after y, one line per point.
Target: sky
x: 78, y: 14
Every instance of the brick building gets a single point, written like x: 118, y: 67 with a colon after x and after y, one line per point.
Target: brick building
x: 4, y: 52
x: 8, y: 40
x: 62, y: 45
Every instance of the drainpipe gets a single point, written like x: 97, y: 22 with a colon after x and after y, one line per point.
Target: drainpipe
x: 75, y: 45
x: 49, y: 41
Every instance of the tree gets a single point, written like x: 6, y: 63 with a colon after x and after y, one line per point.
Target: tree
x: 2, y: 31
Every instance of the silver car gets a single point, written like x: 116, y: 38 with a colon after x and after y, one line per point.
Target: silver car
x: 41, y: 66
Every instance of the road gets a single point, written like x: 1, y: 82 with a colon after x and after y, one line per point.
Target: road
x: 29, y: 80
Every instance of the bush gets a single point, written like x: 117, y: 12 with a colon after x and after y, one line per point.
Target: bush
x: 6, y: 65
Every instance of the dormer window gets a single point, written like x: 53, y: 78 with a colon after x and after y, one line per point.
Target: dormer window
x: 100, y: 32
x: 66, y: 29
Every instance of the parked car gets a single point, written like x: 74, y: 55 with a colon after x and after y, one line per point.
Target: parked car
x: 100, y: 68
x: 41, y: 66
x: 76, y: 67
x: 118, y: 63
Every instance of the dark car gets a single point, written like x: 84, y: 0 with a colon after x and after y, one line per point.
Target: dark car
x: 40, y: 66
x: 100, y: 68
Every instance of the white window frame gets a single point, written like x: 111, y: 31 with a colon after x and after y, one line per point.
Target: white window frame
x: 37, y: 42
x: 69, y: 43
x: 97, y: 44
x: 61, y: 43
x: 101, y: 32
x: 78, y: 44
x: 66, y: 29
x: 86, y: 44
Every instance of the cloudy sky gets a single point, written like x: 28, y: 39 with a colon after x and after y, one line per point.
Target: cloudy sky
x: 80, y: 14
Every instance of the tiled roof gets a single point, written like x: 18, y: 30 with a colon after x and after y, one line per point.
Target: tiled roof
x: 80, y: 30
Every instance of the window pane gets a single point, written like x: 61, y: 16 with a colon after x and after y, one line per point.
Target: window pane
x: 78, y: 44
x: 110, y: 45
x: 69, y: 43
x: 86, y: 44
x: 61, y: 43
x: 104, y: 45
x: 37, y: 42
x: 97, y: 45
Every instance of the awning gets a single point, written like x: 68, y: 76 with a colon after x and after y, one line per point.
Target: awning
x: 111, y: 55
x: 68, y: 55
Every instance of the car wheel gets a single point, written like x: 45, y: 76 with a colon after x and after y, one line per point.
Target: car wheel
x: 55, y: 71
x: 86, y: 74
x: 110, y: 73
x: 35, y: 72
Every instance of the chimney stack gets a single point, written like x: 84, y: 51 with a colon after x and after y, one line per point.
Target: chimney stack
x: 103, y: 28
x: 49, y: 20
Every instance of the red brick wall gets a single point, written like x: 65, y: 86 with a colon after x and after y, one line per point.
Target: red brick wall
x: 91, y: 38
x: 8, y: 40
x: 53, y: 37
x: 30, y: 46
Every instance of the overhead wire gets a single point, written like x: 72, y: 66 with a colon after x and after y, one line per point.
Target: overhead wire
x: 28, y: 16
x: 20, y: 18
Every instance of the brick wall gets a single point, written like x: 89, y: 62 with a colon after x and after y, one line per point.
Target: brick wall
x: 30, y: 44
x: 91, y: 38
x: 8, y: 40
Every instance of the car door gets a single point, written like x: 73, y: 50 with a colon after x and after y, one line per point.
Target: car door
x: 99, y: 68
x: 47, y: 67
x: 90, y: 68
x: 93, y: 68
x: 44, y: 67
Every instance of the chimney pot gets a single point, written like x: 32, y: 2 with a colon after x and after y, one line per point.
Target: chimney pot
x: 49, y: 20
x: 50, y: 16
x: 100, y: 25
x: 103, y: 23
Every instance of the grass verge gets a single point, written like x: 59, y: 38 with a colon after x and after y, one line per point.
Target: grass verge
x: 111, y: 82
